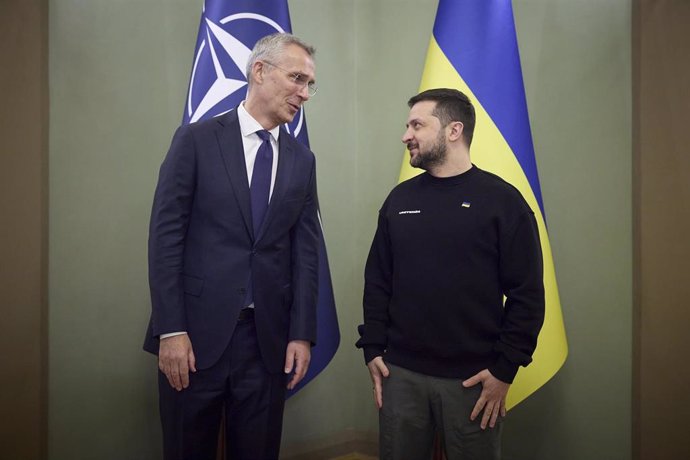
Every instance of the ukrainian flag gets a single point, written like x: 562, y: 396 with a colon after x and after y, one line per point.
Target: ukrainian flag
x: 474, y: 49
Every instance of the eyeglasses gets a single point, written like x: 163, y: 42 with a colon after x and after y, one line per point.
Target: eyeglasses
x: 298, y: 79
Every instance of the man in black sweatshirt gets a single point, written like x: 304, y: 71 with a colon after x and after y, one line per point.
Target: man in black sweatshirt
x: 440, y: 342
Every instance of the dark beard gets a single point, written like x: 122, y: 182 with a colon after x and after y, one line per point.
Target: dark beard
x: 436, y: 155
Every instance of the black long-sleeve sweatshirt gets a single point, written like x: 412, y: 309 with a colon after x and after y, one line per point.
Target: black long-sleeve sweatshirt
x: 445, y: 253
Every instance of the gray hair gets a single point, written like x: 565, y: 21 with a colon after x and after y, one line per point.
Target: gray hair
x: 270, y: 47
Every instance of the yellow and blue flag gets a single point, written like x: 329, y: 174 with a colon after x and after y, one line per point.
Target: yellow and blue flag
x: 474, y: 49
x: 218, y: 83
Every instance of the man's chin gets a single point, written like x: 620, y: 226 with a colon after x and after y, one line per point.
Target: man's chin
x: 292, y: 111
x: 288, y: 118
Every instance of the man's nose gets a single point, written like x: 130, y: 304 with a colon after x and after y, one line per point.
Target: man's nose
x: 406, y: 137
x: 304, y: 93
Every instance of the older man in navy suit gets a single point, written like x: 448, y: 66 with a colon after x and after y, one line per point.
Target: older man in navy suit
x: 233, y: 264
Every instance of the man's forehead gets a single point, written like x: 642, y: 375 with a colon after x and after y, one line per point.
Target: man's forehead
x: 422, y: 110
x: 297, y: 54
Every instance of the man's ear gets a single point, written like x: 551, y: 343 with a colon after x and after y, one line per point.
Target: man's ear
x: 257, y: 72
x: 456, y: 130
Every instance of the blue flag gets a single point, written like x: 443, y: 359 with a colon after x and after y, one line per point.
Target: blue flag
x: 218, y: 83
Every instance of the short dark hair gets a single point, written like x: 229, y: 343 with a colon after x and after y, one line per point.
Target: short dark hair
x: 451, y: 105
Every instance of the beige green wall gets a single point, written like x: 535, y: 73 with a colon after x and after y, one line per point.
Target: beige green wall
x: 118, y: 76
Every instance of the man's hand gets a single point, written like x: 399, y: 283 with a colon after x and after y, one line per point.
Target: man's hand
x: 378, y: 371
x: 176, y: 359
x: 492, y: 399
x: 298, y: 354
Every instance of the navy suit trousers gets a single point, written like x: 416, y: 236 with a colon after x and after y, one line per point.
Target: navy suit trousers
x: 238, y: 384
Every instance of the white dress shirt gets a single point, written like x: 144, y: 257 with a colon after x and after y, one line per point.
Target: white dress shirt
x: 251, y: 142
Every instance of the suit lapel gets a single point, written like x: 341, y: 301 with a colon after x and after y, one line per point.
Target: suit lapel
x: 232, y: 152
x: 286, y: 163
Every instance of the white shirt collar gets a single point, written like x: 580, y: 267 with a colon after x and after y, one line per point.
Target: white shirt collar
x: 249, y: 125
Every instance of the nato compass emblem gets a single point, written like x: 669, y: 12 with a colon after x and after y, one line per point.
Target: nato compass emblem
x: 219, y: 80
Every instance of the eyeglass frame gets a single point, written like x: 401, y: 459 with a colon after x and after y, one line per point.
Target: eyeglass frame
x: 296, y: 78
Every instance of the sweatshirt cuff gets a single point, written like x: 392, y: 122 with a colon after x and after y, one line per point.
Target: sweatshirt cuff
x: 372, y: 352
x: 504, y: 370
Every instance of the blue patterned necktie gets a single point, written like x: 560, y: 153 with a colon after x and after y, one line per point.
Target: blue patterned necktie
x: 261, y: 180
x: 259, y: 190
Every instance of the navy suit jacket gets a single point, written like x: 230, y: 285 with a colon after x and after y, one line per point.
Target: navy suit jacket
x: 202, y: 246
